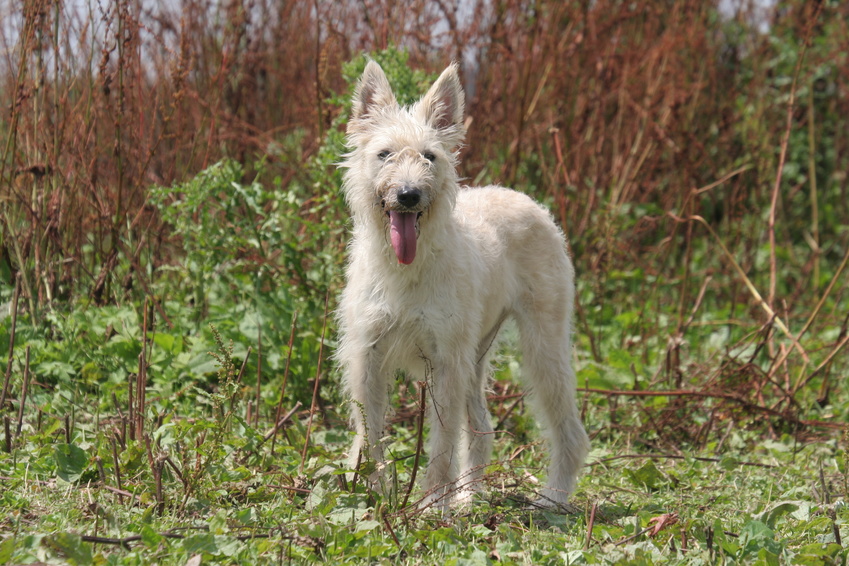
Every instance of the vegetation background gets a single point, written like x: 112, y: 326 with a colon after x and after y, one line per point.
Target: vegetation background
x: 172, y: 238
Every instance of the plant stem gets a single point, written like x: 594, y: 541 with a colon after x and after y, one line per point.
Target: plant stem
x: 285, y: 378
x: 419, y: 440
x: 315, y: 387
x: 812, y: 178
x: 11, y: 345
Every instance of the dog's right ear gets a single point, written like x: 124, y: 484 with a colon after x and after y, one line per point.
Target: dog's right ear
x: 373, y: 92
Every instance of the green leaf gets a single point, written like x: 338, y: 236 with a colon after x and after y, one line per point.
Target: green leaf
x: 150, y: 537
x: 204, y: 542
x: 168, y: 342
x: 647, y: 476
x: 202, y: 364
x: 776, y: 510
x: 756, y: 536
x: 71, y: 547
x: 818, y: 554
x: 71, y: 461
x: 227, y: 545
x: 247, y: 516
x: 367, y: 525
x: 767, y: 558
x: 7, y: 548
x: 726, y: 543
x: 599, y: 377
x: 57, y: 370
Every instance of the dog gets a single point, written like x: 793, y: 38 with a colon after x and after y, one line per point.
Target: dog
x: 434, y: 271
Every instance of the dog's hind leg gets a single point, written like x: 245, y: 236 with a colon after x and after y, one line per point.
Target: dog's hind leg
x: 547, y: 367
x: 477, y: 434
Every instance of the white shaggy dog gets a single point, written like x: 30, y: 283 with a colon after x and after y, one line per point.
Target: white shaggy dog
x: 435, y: 269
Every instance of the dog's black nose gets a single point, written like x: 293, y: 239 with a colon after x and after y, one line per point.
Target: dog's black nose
x: 409, y: 197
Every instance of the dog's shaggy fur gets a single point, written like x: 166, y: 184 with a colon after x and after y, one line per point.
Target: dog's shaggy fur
x: 435, y: 269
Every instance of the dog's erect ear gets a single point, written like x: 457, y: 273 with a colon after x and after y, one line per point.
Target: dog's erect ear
x: 442, y: 107
x: 373, y: 91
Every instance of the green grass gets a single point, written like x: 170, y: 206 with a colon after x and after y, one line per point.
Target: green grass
x: 759, y: 500
x: 200, y: 481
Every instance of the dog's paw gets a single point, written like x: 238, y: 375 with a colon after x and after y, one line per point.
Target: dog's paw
x: 439, y: 501
x: 465, y: 498
x: 555, y: 500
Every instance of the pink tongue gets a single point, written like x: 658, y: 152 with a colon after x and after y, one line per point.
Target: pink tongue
x: 402, y: 230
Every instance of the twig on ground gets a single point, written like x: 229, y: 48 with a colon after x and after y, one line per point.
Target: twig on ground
x: 671, y: 457
x: 717, y: 395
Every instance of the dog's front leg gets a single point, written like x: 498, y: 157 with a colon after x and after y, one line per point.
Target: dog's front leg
x: 368, y: 384
x: 447, y: 414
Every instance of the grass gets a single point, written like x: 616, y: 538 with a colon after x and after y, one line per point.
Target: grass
x: 199, y: 482
x: 179, y: 462
x: 172, y: 239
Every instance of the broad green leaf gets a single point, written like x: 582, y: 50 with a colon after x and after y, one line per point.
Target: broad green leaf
x: 726, y: 543
x: 150, y: 537
x: 204, y: 542
x: 7, y: 548
x: 368, y: 525
x: 647, y: 476
x: 756, y: 536
x: 776, y: 510
x: 818, y: 554
x: 71, y: 547
x: 71, y: 461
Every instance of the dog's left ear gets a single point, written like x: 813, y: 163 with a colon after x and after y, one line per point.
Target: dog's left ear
x: 442, y: 107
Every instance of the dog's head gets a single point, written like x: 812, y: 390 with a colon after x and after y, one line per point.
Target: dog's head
x: 401, y: 168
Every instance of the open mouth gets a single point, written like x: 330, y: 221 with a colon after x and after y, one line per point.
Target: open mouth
x: 404, y: 232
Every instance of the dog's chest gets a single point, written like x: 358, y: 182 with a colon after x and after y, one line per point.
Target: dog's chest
x: 419, y: 334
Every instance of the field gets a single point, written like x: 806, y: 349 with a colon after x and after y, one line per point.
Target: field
x: 172, y: 243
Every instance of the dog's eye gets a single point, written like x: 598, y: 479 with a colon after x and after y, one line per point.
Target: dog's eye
x: 383, y: 155
x: 429, y: 156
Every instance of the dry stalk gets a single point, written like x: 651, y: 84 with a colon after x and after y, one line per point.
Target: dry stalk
x: 273, y: 432
x: 751, y: 287
x: 791, y: 104
x: 141, y: 392
x: 837, y: 276
x: 285, y: 377
x: 419, y: 441
x: 11, y: 357
x: 23, y: 394
x: 116, y: 462
x: 590, y: 525
x: 718, y: 395
x: 258, y: 373
x: 314, y: 403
